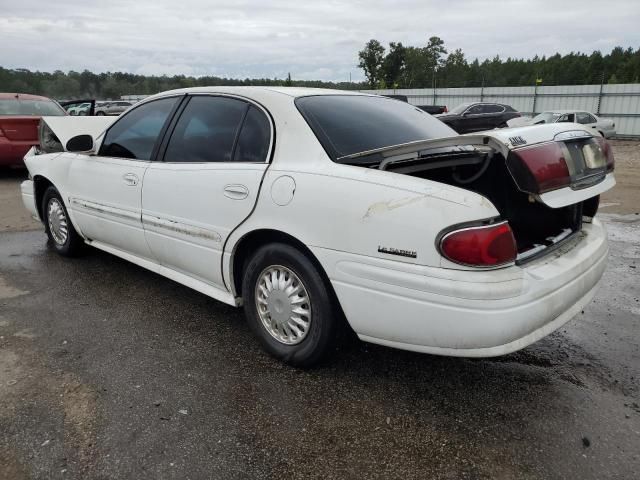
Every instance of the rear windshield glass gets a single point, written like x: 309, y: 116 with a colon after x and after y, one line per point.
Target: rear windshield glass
x: 347, y: 124
x: 14, y: 106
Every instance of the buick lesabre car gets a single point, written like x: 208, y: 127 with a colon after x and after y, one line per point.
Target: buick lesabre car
x: 317, y: 209
x: 604, y: 126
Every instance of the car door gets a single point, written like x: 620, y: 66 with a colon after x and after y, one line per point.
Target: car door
x: 206, y: 185
x: 106, y: 189
x: 472, y: 120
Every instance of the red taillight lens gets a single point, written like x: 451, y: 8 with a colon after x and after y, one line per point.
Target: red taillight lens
x: 608, y: 153
x: 446, y: 110
x: 547, y: 165
x: 486, y: 246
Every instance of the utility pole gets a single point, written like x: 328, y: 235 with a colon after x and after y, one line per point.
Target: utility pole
x: 600, y: 93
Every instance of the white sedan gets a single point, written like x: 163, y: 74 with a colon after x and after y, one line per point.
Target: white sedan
x: 604, y: 126
x: 318, y: 209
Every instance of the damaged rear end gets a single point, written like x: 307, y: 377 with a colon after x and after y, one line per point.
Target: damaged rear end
x: 545, y: 181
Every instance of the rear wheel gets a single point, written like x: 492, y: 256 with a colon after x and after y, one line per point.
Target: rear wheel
x: 288, y: 305
x: 62, y: 236
x: 99, y: 113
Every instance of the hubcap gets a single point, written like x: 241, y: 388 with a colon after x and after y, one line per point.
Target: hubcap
x: 283, y: 305
x: 58, y: 225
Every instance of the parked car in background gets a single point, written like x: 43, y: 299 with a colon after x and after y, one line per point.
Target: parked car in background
x: 82, y: 107
x: 479, y: 116
x: 19, y: 118
x: 432, y: 109
x: 604, y: 126
x: 312, y: 206
x: 112, y: 107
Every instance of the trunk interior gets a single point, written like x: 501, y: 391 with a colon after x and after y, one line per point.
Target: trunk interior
x: 535, y: 226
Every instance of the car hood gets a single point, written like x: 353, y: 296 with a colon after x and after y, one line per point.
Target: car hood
x: 67, y: 127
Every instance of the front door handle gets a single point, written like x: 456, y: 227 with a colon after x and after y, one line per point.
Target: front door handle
x: 236, y: 192
x: 130, y: 179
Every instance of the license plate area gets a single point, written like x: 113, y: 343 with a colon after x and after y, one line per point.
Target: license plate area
x: 585, y: 161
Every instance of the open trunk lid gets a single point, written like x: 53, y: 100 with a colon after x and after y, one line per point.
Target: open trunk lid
x: 544, y: 180
x: 558, y: 164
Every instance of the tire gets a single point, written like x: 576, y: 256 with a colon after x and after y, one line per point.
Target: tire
x: 313, y: 305
x: 99, y: 114
x: 63, y: 238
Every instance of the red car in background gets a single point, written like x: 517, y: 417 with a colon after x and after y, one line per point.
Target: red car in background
x: 19, y: 118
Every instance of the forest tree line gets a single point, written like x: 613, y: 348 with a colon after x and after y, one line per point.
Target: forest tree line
x: 397, y: 66
x: 432, y: 65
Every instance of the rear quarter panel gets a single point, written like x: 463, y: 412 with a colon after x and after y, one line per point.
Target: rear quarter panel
x: 358, y: 211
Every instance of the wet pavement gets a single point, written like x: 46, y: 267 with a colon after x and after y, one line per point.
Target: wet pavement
x: 108, y: 371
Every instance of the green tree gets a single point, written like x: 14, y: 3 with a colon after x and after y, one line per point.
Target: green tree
x: 393, y: 65
x: 371, y: 58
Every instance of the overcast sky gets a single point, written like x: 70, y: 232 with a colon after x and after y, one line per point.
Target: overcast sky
x: 312, y: 40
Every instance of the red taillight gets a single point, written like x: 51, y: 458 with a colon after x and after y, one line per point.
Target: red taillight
x: 547, y: 165
x: 485, y: 246
x: 608, y: 153
x: 446, y: 110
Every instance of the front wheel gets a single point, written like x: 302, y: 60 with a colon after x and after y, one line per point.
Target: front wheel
x: 62, y: 236
x: 288, y: 305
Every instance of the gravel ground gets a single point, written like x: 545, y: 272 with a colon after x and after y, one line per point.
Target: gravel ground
x: 110, y: 371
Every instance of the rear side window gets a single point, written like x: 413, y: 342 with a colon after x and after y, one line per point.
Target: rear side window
x: 135, y: 134
x: 348, y: 124
x: 206, y: 130
x: 253, y: 142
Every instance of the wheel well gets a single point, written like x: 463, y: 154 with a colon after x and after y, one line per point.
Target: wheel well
x: 256, y: 239
x: 40, y: 186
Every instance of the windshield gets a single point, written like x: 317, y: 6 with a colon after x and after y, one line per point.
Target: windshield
x: 545, y: 117
x: 460, y: 108
x: 18, y: 106
x: 348, y: 124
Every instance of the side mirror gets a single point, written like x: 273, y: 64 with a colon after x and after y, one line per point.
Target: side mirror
x: 80, y: 144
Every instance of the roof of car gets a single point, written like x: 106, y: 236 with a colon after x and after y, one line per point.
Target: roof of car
x: 23, y: 96
x: 249, y: 90
x: 565, y: 111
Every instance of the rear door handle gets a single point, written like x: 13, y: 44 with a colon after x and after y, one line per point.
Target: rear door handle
x: 130, y: 179
x: 236, y: 192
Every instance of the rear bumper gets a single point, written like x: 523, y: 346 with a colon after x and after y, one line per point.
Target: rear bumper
x: 12, y: 152
x: 469, y: 313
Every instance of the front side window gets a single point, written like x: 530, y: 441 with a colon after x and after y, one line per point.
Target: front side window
x: 206, y: 130
x: 135, y: 134
x: 545, y: 117
x: 475, y: 110
x: 567, y: 117
x: 348, y: 124
x: 585, y: 118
